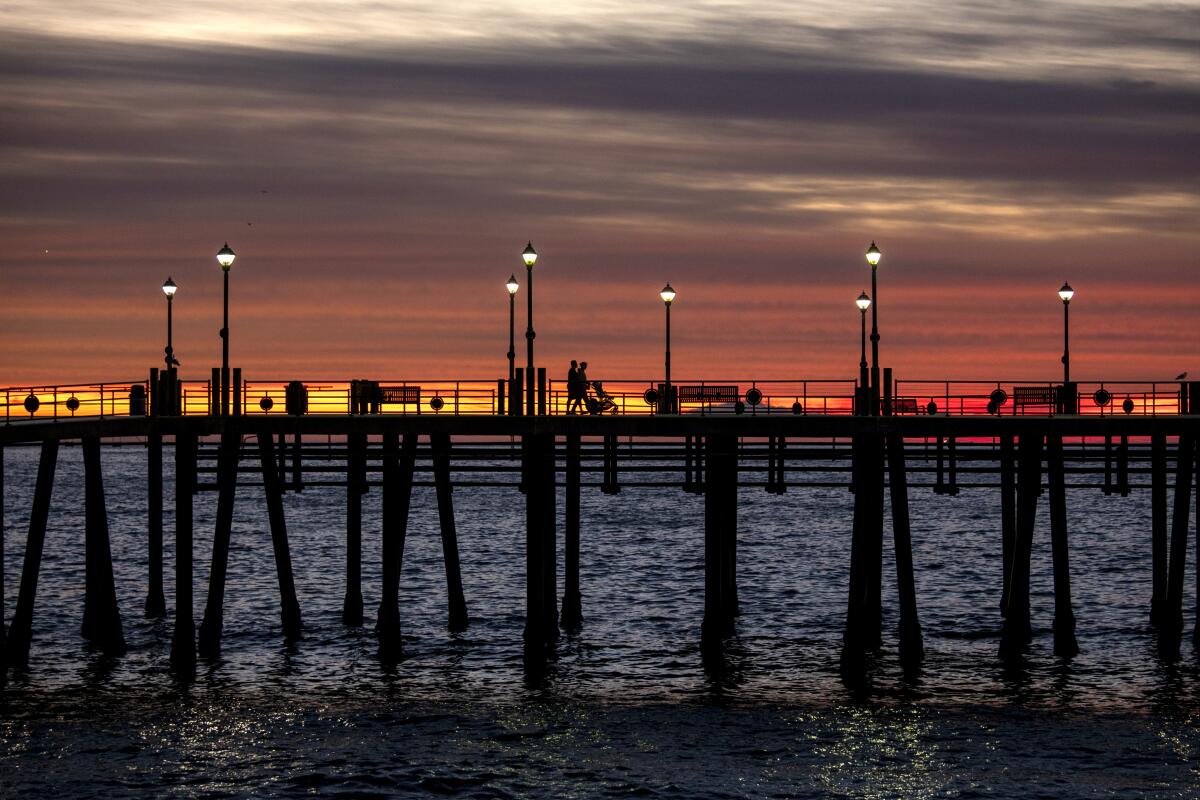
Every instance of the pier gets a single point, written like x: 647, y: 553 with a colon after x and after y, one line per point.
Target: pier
x: 722, y: 445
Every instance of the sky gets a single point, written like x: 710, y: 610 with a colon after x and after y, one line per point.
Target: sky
x: 379, y: 166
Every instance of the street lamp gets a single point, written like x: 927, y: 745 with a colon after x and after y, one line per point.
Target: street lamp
x: 668, y: 296
x: 873, y: 256
x: 169, y: 288
x: 225, y: 258
x: 529, y: 256
x: 863, y: 302
x: 1065, y: 294
x: 512, y: 287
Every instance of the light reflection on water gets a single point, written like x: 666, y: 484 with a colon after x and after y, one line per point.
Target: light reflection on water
x: 629, y: 704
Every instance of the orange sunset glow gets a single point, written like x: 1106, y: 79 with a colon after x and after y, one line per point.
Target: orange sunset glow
x: 379, y: 175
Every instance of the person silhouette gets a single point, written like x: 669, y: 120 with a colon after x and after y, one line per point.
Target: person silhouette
x: 583, y: 383
x: 576, y: 389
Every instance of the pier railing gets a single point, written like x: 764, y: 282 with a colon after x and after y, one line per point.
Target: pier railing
x: 828, y: 396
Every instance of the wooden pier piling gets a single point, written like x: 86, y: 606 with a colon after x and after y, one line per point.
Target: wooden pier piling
x: 356, y: 487
x: 183, y: 639
x: 440, y: 447
x: 1123, y: 466
x: 1017, y: 632
x: 541, y: 606
x: 288, y: 605
x: 853, y: 639
x: 549, y: 538
x: 720, y: 538
x: 297, y: 462
x: 398, y: 466
x: 101, y: 615
x: 873, y: 599
x: 21, y: 630
x: 912, y: 648
x: 1065, y: 644
x: 609, y: 483
x: 1008, y: 515
x: 572, y: 602
x: 1158, y: 528
x: 211, y: 625
x: 156, y: 604
x: 693, y: 460
x: 1171, y: 627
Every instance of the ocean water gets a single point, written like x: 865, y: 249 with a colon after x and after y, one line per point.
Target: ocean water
x: 628, y: 706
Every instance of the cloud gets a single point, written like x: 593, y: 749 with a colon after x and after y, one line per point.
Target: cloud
x: 407, y: 156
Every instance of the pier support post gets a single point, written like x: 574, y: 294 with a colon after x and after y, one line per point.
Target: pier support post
x: 214, y: 610
x: 356, y: 487
x: 1172, y: 622
x: 440, y: 445
x: 776, y: 454
x: 720, y: 535
x: 609, y: 484
x: 1158, y: 528
x: 1065, y: 644
x: 572, y: 602
x: 297, y: 461
x: 1008, y: 515
x: 541, y: 608
x: 21, y: 630
x: 1108, y: 465
x: 1016, y: 632
x: 912, y: 648
x: 853, y: 639
x: 874, y: 489
x: 156, y: 604
x: 101, y: 615
x: 1123, y: 466
x: 693, y: 459
x: 549, y: 539
x: 398, y: 466
x: 288, y: 605
x: 183, y: 640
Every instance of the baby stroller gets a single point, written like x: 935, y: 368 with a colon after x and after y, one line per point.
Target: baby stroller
x: 602, y: 402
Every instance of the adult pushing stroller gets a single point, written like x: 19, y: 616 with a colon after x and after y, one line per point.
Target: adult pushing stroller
x: 600, y: 401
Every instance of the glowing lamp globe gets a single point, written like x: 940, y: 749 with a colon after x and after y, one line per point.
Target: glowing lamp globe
x: 225, y: 257
x: 873, y: 255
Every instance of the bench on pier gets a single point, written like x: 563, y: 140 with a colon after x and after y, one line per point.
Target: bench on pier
x: 905, y: 405
x: 707, y: 394
x: 1032, y: 396
x: 400, y: 395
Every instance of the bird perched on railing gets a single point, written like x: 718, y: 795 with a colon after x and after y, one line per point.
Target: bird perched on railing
x: 1181, y: 376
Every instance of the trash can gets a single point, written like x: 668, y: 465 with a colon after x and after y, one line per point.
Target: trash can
x: 296, y: 398
x: 137, y: 400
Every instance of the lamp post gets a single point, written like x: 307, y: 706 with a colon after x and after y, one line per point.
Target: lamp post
x: 873, y: 256
x: 863, y: 302
x: 225, y: 258
x: 512, y: 287
x: 169, y: 288
x: 1065, y: 294
x: 529, y: 256
x: 668, y: 296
